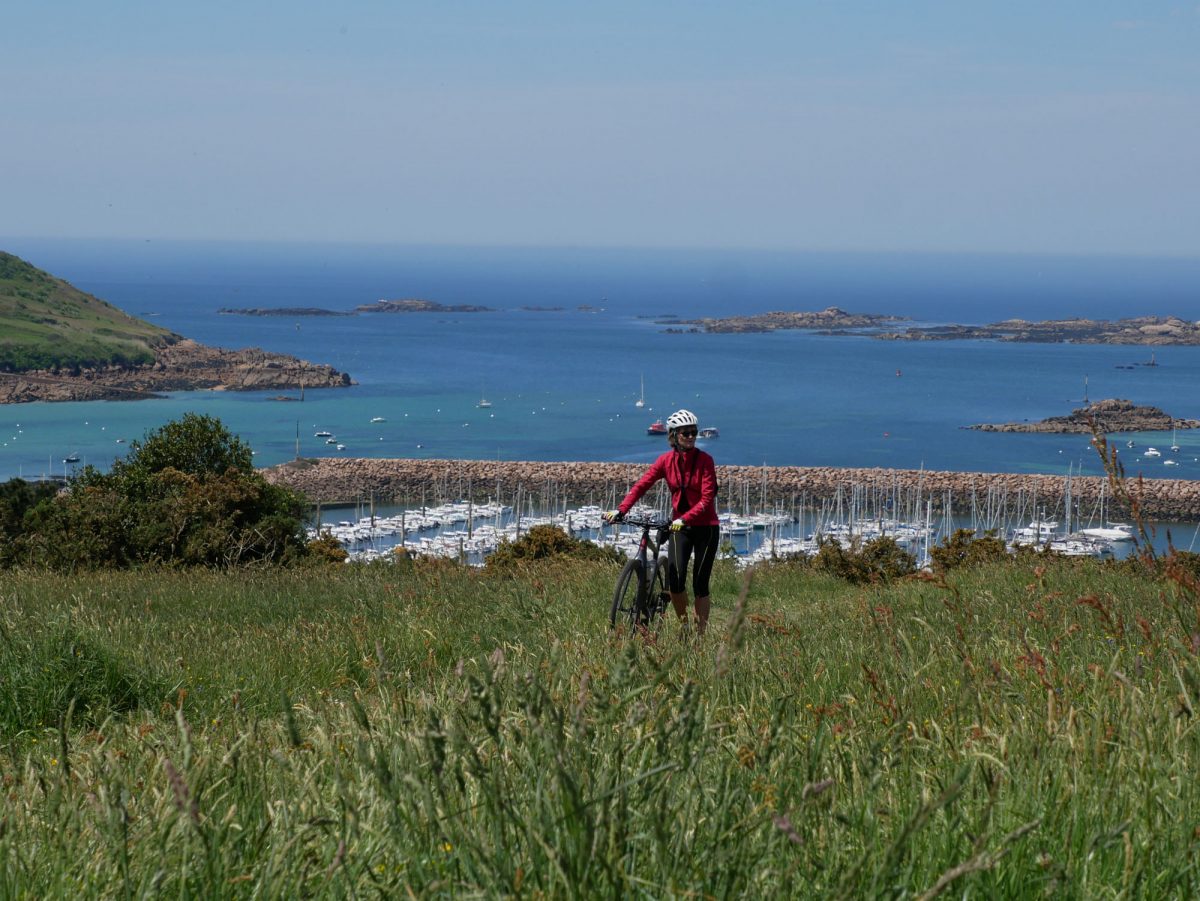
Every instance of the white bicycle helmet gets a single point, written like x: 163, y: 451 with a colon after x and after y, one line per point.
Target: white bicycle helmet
x: 681, y: 418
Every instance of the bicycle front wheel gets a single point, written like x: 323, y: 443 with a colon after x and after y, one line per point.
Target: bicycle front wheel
x: 628, y: 603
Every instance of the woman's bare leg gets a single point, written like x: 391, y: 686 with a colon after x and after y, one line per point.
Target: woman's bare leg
x: 703, y: 604
x: 679, y: 602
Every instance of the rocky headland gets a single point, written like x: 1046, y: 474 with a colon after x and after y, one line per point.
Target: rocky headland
x: 829, y: 319
x: 1111, y: 415
x: 182, y: 366
x: 409, y: 482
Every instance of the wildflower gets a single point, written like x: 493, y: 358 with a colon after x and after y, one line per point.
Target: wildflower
x: 447, y: 847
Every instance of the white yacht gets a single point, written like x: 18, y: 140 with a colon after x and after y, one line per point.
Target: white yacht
x: 1114, y: 531
x: 1038, y: 531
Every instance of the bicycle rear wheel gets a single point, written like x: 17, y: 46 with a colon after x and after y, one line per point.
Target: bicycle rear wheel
x: 628, y: 605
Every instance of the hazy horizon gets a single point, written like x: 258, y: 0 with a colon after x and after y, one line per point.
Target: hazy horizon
x: 932, y: 127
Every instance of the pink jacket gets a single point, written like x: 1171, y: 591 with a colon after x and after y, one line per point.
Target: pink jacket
x: 692, y: 478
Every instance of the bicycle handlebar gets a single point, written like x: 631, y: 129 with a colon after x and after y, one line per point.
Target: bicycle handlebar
x: 646, y: 522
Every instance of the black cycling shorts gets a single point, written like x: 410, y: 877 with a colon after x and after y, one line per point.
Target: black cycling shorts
x: 702, y: 541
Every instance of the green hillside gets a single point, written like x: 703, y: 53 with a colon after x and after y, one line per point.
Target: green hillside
x: 46, y: 323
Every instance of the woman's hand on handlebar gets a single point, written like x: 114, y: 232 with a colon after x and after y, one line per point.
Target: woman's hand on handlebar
x: 612, y: 516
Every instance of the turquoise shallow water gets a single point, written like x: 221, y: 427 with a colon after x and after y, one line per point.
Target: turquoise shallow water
x: 563, y: 384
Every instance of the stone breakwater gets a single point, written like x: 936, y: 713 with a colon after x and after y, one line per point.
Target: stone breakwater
x: 340, y: 481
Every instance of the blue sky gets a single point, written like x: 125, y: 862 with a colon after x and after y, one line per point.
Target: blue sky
x: 935, y: 126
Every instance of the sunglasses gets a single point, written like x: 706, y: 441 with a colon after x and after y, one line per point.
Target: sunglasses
x: 687, y: 433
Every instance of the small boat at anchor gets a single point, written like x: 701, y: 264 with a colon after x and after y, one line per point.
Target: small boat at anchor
x: 658, y: 427
x: 710, y: 432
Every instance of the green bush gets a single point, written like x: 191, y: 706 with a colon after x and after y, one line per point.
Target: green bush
x: 188, y: 495
x: 965, y: 548
x: 878, y: 560
x: 545, y: 541
x: 325, y: 549
x: 18, y: 498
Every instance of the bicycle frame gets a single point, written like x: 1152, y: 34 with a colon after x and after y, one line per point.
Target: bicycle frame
x: 648, y: 565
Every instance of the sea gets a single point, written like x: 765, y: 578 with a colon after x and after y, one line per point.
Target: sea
x: 575, y: 337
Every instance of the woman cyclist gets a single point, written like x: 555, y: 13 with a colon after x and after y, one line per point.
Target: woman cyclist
x: 692, y: 478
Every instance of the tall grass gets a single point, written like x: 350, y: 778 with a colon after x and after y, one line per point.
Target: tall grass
x: 429, y: 730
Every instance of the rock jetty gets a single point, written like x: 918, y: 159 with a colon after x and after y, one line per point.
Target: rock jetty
x: 183, y: 366
x: 341, y: 481
x: 1111, y: 415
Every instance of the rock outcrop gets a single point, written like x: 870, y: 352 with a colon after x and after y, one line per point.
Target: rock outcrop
x: 416, y: 305
x: 183, y: 366
x: 1112, y: 415
x: 1144, y: 330
x: 829, y: 319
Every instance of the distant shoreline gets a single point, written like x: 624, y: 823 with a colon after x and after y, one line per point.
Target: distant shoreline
x: 1140, y: 330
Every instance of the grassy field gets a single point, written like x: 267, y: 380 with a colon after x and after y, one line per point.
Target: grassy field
x: 431, y: 731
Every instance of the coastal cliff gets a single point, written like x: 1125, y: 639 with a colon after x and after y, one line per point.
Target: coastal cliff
x: 341, y: 480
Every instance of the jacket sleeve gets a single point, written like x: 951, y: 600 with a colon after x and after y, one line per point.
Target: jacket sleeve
x: 656, y: 471
x: 708, y: 493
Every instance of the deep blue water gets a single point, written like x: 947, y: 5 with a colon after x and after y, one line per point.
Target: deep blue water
x: 563, y: 384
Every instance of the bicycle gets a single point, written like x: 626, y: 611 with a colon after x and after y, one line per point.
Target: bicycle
x: 641, y: 593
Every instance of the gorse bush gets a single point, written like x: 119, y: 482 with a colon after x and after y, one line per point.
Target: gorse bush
x: 965, y: 548
x: 188, y: 495
x: 545, y: 541
x: 878, y: 560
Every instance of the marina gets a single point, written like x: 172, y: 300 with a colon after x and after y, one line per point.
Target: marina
x: 468, y: 531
